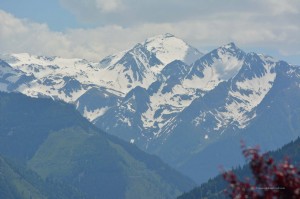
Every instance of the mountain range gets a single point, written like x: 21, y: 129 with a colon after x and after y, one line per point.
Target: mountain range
x: 164, y: 96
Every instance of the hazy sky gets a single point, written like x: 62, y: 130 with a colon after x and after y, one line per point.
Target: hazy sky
x: 92, y: 29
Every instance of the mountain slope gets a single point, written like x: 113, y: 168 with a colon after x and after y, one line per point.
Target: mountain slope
x: 216, y: 66
x: 55, y: 141
x: 135, y: 68
x: 96, y: 101
x: 14, y: 188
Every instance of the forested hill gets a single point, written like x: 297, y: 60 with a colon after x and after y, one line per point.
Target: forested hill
x: 53, y: 140
x: 18, y: 182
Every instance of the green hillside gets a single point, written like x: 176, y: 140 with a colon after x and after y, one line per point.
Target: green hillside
x: 14, y: 186
x: 18, y: 182
x: 57, y: 143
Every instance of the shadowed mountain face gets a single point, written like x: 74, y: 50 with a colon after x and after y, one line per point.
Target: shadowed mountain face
x: 57, y: 143
x: 170, y: 100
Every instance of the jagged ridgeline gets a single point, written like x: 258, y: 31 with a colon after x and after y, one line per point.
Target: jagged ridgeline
x: 51, y: 151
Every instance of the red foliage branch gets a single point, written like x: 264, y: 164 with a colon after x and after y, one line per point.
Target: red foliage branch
x: 271, y: 180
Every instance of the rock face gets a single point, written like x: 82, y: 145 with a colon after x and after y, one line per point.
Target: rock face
x: 171, y: 100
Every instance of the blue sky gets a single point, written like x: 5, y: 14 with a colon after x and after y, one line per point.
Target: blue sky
x: 92, y: 29
x: 48, y: 11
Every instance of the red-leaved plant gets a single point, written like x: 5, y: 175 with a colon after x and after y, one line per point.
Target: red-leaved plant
x: 271, y: 180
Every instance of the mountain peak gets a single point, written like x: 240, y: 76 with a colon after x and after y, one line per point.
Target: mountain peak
x: 232, y: 49
x: 229, y: 45
x: 168, y: 48
x: 168, y: 35
x: 164, y: 47
x: 160, y: 37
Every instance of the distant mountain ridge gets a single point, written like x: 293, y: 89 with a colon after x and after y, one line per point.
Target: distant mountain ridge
x: 171, y: 100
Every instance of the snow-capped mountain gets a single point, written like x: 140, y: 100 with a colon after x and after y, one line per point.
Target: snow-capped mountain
x: 270, y: 120
x: 74, y: 80
x: 171, y: 100
x: 178, y: 86
x: 230, y: 105
x: 59, y: 78
x: 142, y: 65
x: 11, y: 78
x: 194, y: 108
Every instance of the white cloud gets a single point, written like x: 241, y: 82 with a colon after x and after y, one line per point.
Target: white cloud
x: 268, y: 24
x: 109, y: 6
x: 135, y: 12
x: 23, y: 35
x: 282, y: 7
